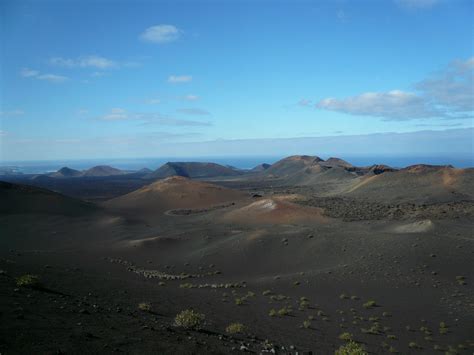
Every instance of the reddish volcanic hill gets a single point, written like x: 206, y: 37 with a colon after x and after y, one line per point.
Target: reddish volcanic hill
x: 174, y: 193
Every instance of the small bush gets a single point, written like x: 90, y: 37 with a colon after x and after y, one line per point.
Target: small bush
x: 272, y: 313
x: 31, y: 281
x: 284, y: 311
x: 235, y: 328
x: 370, y: 304
x: 306, y: 324
x: 144, y: 306
x: 266, y: 293
x: 351, y: 348
x: 189, y: 319
x: 346, y: 336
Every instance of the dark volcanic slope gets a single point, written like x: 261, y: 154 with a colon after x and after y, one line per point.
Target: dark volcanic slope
x: 259, y: 168
x: 103, y: 170
x: 23, y: 199
x: 66, y: 172
x: 291, y: 165
x: 192, y: 170
x: 418, y: 184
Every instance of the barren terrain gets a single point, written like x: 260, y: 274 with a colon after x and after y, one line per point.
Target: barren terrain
x: 305, y: 254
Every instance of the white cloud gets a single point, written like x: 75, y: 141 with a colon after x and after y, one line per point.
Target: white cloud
x: 91, y: 61
x: 116, y: 114
x: 27, y: 73
x: 304, y: 102
x: 161, y: 34
x: 12, y: 113
x: 52, y: 78
x: 191, y: 97
x: 120, y: 114
x: 394, y: 104
x: 3, y: 133
x: 176, y: 79
x: 97, y: 74
x: 154, y: 101
x: 193, y: 111
x: 35, y: 74
x: 82, y: 112
x: 416, y: 4
x: 452, y: 88
x: 448, y: 94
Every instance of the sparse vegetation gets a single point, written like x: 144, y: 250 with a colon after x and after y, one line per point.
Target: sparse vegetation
x: 413, y: 345
x: 346, y: 336
x: 306, y: 324
x: 443, y: 328
x: 235, y: 328
x: 461, y: 280
x: 144, y: 306
x: 370, y: 304
x: 284, y: 311
x: 278, y: 297
x: 351, y: 348
x: 28, y: 280
x: 189, y: 319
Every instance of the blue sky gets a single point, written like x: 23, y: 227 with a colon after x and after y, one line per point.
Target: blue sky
x: 91, y: 79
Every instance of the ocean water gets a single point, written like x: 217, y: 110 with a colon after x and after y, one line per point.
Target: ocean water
x: 38, y: 167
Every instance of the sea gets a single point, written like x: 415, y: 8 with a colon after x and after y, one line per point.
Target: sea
x: 134, y: 164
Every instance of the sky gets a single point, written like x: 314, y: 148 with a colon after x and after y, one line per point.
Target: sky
x: 94, y: 79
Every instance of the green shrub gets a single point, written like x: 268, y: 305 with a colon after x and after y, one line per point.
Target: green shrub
x: 235, y: 328
x: 345, y: 336
x: 370, y: 304
x: 31, y: 281
x: 144, y: 306
x: 306, y: 324
x: 284, y: 311
x: 189, y: 319
x: 351, y: 348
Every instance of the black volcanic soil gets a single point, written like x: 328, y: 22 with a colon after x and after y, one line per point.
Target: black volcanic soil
x: 234, y: 259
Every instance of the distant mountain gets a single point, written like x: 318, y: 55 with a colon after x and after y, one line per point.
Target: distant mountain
x: 192, y: 170
x: 25, y: 199
x: 260, y: 168
x: 66, y: 172
x: 10, y: 170
x: 144, y: 171
x: 336, y: 162
x: 292, y: 164
x: 103, y: 170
